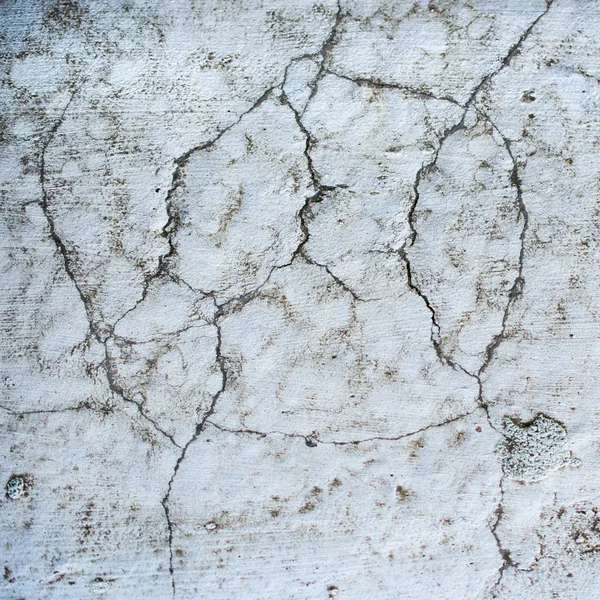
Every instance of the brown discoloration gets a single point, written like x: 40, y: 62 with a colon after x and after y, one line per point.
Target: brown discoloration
x: 403, y: 493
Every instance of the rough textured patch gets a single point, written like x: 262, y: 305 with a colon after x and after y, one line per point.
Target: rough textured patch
x: 300, y: 299
x: 531, y: 450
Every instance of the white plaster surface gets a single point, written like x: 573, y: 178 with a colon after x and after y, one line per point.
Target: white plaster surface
x: 300, y: 299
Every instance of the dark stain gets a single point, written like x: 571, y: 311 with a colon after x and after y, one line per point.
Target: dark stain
x: 528, y: 96
x: 308, y: 507
x: 8, y: 576
x: 403, y: 493
x: 65, y: 14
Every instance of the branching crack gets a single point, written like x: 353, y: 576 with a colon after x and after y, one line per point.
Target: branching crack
x: 517, y: 287
x: 516, y: 290
x: 118, y: 390
x: 425, y: 169
x: 67, y: 263
x: 320, y: 191
x: 222, y: 309
x: 173, y: 222
x: 222, y: 364
x: 325, y: 53
x: 514, y: 294
x: 304, y: 214
x: 44, y: 205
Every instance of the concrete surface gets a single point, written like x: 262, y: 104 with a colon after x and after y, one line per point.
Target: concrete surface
x: 300, y: 299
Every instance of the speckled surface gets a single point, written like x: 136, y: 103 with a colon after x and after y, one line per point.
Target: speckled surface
x: 300, y: 300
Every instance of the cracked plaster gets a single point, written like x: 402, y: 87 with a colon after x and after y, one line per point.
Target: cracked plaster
x: 300, y: 299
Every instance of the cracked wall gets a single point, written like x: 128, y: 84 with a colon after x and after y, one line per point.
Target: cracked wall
x: 300, y: 299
